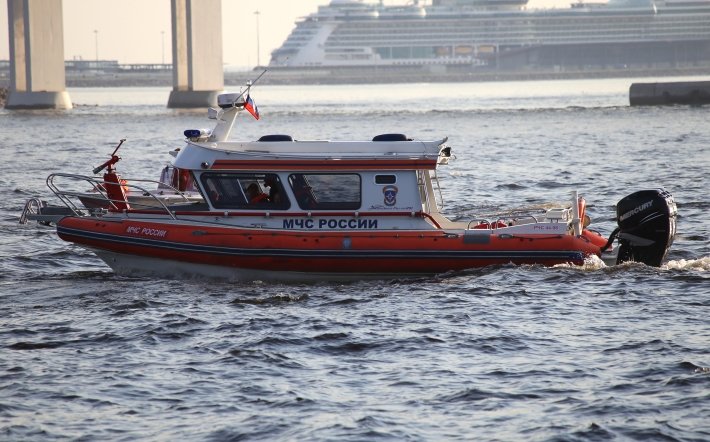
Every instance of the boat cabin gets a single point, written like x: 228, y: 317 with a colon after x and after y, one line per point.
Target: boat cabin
x: 318, y: 184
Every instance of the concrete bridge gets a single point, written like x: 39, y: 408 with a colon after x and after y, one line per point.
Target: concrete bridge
x: 37, y: 78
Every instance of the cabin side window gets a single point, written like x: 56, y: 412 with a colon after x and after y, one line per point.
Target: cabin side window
x: 385, y: 179
x: 321, y: 191
x: 254, y: 191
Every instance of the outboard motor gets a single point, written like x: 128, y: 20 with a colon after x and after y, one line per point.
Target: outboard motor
x: 646, y: 229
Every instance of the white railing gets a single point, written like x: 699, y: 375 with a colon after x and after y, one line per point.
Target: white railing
x: 66, y: 187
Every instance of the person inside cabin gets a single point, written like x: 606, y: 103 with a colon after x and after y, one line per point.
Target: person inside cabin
x: 274, y: 194
x: 255, y: 195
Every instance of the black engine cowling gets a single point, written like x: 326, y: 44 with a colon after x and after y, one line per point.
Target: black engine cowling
x: 647, y: 223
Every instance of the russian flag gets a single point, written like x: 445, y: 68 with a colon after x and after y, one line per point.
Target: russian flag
x: 250, y: 106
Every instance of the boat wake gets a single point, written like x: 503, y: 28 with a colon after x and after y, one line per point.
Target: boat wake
x: 591, y: 263
x: 700, y: 264
x: 594, y: 263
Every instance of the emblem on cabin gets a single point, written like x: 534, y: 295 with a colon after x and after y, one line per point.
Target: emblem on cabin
x: 390, y: 195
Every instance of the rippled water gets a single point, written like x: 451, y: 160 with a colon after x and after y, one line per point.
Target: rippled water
x: 500, y: 353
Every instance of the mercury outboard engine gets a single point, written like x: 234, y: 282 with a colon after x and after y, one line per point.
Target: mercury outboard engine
x: 646, y: 229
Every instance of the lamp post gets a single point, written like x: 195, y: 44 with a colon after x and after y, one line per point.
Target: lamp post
x: 258, y: 50
x: 96, y: 46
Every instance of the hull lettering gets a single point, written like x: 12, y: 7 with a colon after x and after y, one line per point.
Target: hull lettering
x: 331, y: 224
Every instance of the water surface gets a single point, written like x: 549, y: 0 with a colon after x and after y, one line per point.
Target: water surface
x: 500, y: 353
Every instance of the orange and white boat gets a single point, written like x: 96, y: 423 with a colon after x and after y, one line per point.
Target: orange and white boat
x: 281, y: 209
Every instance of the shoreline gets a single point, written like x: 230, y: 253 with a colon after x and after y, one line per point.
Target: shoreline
x: 323, y: 76
x: 374, y: 76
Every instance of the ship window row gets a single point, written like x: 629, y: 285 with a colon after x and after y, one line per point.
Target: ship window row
x: 300, y: 38
x: 453, y: 37
x: 485, y: 34
x: 521, y: 24
x: 580, y: 35
x: 490, y: 35
x: 301, y: 33
x: 266, y: 191
x: 503, y: 24
x: 630, y: 23
x: 466, y: 50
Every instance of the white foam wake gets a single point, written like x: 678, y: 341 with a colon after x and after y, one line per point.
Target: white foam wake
x: 593, y: 263
x: 700, y: 264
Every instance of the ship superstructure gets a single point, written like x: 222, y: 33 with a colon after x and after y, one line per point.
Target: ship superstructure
x: 500, y: 34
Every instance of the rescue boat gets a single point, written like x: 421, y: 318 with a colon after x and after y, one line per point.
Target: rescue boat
x: 283, y: 209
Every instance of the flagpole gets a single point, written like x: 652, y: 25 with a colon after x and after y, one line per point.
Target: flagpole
x: 250, y: 83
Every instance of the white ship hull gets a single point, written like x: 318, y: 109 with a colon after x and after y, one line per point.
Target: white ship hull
x: 507, y: 36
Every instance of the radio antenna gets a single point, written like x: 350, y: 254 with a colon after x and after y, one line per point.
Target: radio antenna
x: 250, y: 83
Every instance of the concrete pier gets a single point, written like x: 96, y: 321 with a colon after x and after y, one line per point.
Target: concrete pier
x: 37, y: 78
x: 198, y: 74
x: 694, y: 93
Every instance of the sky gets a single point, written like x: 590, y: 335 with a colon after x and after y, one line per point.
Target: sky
x: 138, y: 31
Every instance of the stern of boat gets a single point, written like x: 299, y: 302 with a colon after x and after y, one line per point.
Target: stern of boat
x: 646, y: 226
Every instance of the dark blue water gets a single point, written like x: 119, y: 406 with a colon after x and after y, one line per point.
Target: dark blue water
x: 500, y: 353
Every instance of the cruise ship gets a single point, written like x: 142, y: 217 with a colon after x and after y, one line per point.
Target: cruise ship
x: 500, y: 35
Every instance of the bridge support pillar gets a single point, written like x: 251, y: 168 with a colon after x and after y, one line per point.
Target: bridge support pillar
x: 37, y: 78
x: 198, y: 74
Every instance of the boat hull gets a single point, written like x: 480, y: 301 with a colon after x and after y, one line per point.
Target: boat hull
x: 180, y: 248
x: 136, y: 266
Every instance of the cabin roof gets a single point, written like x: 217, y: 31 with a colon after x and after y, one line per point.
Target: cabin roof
x: 310, y: 154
